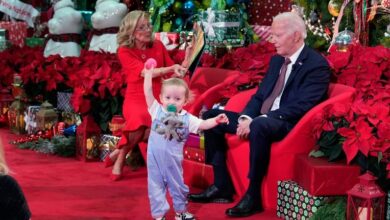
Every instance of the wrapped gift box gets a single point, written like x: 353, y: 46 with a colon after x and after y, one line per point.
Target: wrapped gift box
x: 34, y: 41
x: 221, y: 24
x: 171, y: 40
x: 194, y: 154
x: 321, y: 177
x: 63, y: 101
x: 198, y: 175
x: 17, y: 32
x: 195, y: 141
x: 294, y: 202
x: 31, y: 119
x: 388, y: 206
x: 107, y: 145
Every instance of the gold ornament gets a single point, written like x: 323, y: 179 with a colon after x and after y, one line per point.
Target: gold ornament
x: 334, y: 8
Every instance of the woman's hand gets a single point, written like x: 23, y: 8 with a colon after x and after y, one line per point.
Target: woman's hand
x: 179, y: 71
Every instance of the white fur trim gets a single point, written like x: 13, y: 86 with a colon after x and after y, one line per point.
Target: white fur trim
x: 100, y: 1
x: 63, y: 4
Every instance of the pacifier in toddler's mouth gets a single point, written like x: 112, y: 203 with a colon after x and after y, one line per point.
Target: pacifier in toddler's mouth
x: 171, y: 108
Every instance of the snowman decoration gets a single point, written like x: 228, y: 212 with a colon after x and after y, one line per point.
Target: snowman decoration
x: 65, y: 28
x: 106, y: 21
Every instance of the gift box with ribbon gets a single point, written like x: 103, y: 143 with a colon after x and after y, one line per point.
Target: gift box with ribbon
x: 17, y: 32
x: 171, y: 40
x: 220, y: 25
x: 294, y: 202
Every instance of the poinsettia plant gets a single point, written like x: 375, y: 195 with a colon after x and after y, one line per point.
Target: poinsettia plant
x: 363, y: 125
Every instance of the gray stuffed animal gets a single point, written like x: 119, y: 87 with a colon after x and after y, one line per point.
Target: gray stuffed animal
x: 172, y: 123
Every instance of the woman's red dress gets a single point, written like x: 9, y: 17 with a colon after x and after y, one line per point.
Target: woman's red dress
x: 134, y: 105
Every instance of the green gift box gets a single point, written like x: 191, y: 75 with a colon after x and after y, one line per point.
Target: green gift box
x: 34, y: 41
x: 294, y: 202
x: 220, y: 25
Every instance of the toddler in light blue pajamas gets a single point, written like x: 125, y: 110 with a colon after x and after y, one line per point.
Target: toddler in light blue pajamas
x: 165, y: 153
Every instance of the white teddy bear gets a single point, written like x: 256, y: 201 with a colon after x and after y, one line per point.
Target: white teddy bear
x: 106, y: 21
x: 65, y: 28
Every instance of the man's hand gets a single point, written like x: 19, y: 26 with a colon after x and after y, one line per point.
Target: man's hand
x: 243, y: 128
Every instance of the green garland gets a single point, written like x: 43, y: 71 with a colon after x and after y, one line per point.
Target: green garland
x: 59, y: 145
x: 331, y: 208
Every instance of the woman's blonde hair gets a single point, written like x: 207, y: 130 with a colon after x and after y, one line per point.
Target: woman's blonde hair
x: 125, y: 36
x: 3, y: 164
x: 179, y: 82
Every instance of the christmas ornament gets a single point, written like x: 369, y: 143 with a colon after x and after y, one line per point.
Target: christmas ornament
x: 167, y: 27
x: 189, y: 7
x: 177, y: 7
x: 314, y: 17
x: 229, y: 2
x: 206, y: 3
x: 334, y: 8
x: 344, y: 39
x: 178, y: 22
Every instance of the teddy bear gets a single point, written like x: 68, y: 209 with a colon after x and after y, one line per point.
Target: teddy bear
x: 105, y: 22
x: 64, y: 28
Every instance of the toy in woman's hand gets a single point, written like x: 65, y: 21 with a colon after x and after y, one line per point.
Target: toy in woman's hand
x: 105, y: 22
x: 150, y: 64
x: 172, y: 124
x: 65, y: 28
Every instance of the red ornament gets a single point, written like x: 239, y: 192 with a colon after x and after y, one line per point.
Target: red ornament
x: 366, y: 201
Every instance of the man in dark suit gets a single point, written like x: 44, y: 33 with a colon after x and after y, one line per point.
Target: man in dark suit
x: 296, y: 81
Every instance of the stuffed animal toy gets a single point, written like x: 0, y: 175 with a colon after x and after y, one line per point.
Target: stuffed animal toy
x: 106, y: 21
x: 172, y: 125
x: 65, y: 28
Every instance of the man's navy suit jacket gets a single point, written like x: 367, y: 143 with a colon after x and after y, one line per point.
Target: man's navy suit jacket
x: 307, y: 85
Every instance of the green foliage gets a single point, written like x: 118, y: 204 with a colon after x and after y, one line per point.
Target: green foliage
x: 330, y: 142
x: 64, y: 146
x: 331, y: 208
x: 104, y: 109
x: 59, y: 145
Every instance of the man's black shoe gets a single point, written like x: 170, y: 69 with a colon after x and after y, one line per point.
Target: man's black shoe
x: 246, y: 207
x: 211, y: 194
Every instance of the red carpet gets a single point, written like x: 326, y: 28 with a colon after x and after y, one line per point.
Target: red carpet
x: 64, y: 188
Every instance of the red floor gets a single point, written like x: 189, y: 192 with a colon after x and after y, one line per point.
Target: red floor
x: 64, y: 188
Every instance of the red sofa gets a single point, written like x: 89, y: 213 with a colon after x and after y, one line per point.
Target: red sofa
x: 283, y: 153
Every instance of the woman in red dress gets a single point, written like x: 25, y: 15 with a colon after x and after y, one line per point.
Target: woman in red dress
x: 136, y: 45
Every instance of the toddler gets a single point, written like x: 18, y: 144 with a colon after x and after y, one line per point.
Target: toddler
x: 165, y: 149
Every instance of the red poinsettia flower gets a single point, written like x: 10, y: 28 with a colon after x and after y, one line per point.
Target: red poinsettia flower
x: 79, y: 102
x: 358, y: 137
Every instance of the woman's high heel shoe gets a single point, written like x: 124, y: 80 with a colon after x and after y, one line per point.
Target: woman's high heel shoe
x: 108, y: 161
x: 116, y: 177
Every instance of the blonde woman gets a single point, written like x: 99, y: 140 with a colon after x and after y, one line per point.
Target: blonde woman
x: 13, y: 204
x: 136, y: 45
